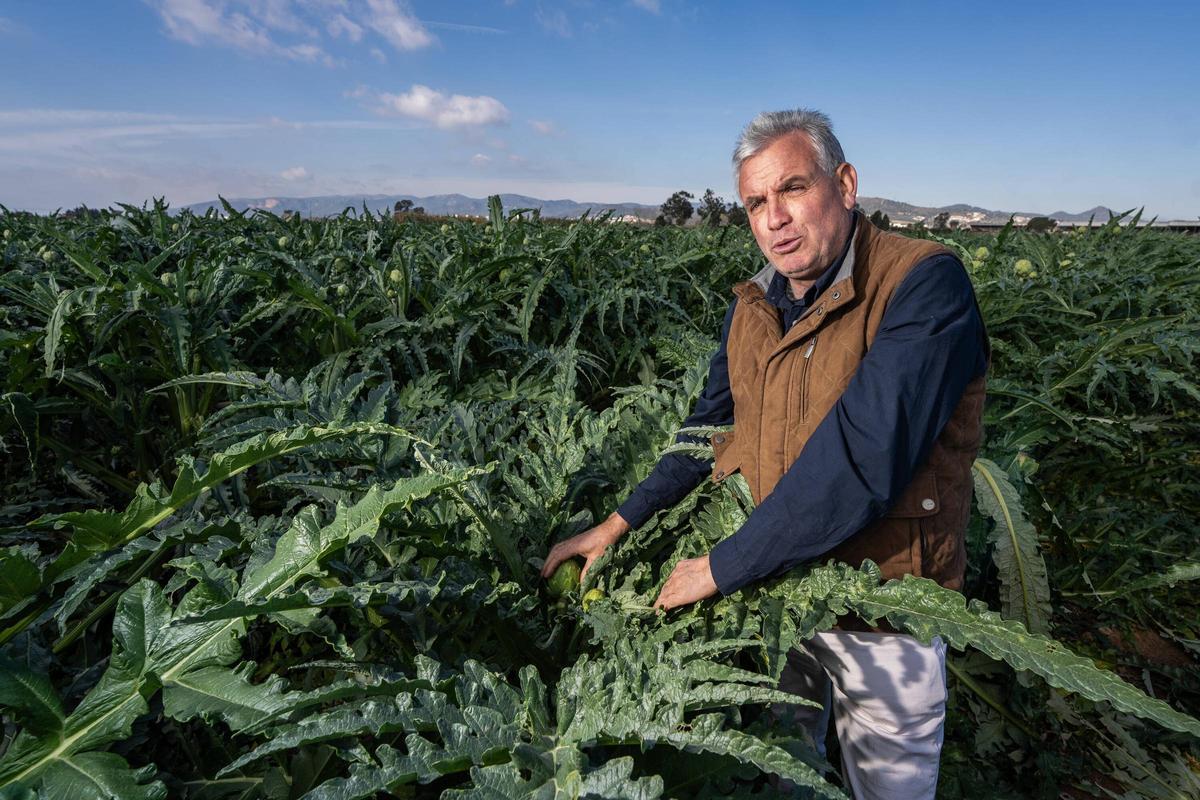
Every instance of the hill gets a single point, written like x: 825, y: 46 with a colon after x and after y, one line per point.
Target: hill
x: 442, y: 204
x: 461, y: 205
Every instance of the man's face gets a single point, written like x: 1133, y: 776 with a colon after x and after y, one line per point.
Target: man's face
x: 798, y: 213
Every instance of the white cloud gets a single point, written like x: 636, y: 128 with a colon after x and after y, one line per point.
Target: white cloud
x: 458, y: 26
x: 480, y: 160
x: 8, y: 26
x: 554, y: 20
x: 194, y: 21
x: 378, y: 55
x: 34, y: 117
x: 310, y: 52
x: 48, y: 141
x: 444, y: 111
x: 341, y: 24
x: 545, y: 127
x: 294, y: 174
x: 200, y: 22
x: 263, y: 27
x: 280, y: 15
x: 401, y: 29
x: 57, y: 132
x: 653, y: 6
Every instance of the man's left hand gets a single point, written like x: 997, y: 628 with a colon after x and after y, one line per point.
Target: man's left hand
x: 690, y: 582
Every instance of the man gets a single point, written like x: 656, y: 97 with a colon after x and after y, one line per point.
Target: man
x: 853, y: 371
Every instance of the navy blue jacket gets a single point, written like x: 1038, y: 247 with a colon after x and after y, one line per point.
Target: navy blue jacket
x: 861, y: 456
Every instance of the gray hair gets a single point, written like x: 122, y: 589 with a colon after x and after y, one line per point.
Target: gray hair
x: 770, y: 125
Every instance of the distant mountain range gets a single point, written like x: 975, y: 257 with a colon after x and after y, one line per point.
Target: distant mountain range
x: 906, y: 212
x: 457, y: 204
x: 441, y: 204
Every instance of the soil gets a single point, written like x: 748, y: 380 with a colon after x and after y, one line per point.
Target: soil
x: 1149, y: 645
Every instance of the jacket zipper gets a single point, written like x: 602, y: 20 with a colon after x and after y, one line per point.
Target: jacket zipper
x: 804, y: 380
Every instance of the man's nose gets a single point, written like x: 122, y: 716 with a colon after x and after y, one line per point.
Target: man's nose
x: 777, y: 213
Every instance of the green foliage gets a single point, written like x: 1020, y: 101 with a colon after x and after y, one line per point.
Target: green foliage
x: 95, y: 531
x: 713, y: 211
x: 1041, y: 225
x: 477, y: 723
x: 1024, y: 592
x: 31, y: 699
x: 678, y: 209
x: 297, y: 529
x: 150, y: 652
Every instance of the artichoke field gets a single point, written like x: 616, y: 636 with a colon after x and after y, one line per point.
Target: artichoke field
x: 276, y: 494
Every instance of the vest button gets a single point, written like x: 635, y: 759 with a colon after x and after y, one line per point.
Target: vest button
x: 819, y: 310
x: 721, y: 474
x: 928, y: 504
x: 836, y: 295
x: 719, y: 439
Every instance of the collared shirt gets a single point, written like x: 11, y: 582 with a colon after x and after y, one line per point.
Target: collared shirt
x: 861, y: 456
x: 791, y: 309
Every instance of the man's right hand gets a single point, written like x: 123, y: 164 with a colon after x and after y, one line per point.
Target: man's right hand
x: 590, y: 544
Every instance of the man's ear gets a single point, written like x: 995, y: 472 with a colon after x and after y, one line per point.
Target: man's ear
x: 847, y: 179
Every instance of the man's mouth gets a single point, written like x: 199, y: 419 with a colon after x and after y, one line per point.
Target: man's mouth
x: 786, y: 245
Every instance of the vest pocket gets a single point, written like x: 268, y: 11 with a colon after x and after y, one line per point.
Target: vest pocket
x: 918, y: 547
x: 914, y: 511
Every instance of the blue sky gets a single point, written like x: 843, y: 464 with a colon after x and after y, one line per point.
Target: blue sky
x: 1031, y: 107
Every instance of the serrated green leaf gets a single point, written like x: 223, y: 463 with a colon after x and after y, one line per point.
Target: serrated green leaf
x: 299, y: 551
x: 95, y: 531
x: 59, y: 761
x: 925, y: 609
x: 1025, y: 590
x: 85, y: 576
x: 99, y: 775
x: 241, y: 379
x: 406, y: 712
x: 403, y: 593
x: 149, y: 652
x: 707, y: 734
x: 1176, y: 573
x: 219, y: 693
x: 66, y: 301
x: 20, y: 577
x: 30, y: 699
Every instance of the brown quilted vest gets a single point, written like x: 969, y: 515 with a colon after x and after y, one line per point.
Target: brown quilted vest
x: 783, y: 384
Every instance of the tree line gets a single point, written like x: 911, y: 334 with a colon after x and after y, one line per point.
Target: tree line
x: 712, y: 210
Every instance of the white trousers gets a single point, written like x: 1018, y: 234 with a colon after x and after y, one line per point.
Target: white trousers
x: 887, y: 695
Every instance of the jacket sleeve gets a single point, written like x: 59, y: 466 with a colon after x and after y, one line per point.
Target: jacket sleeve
x: 863, y: 454
x: 675, y: 475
